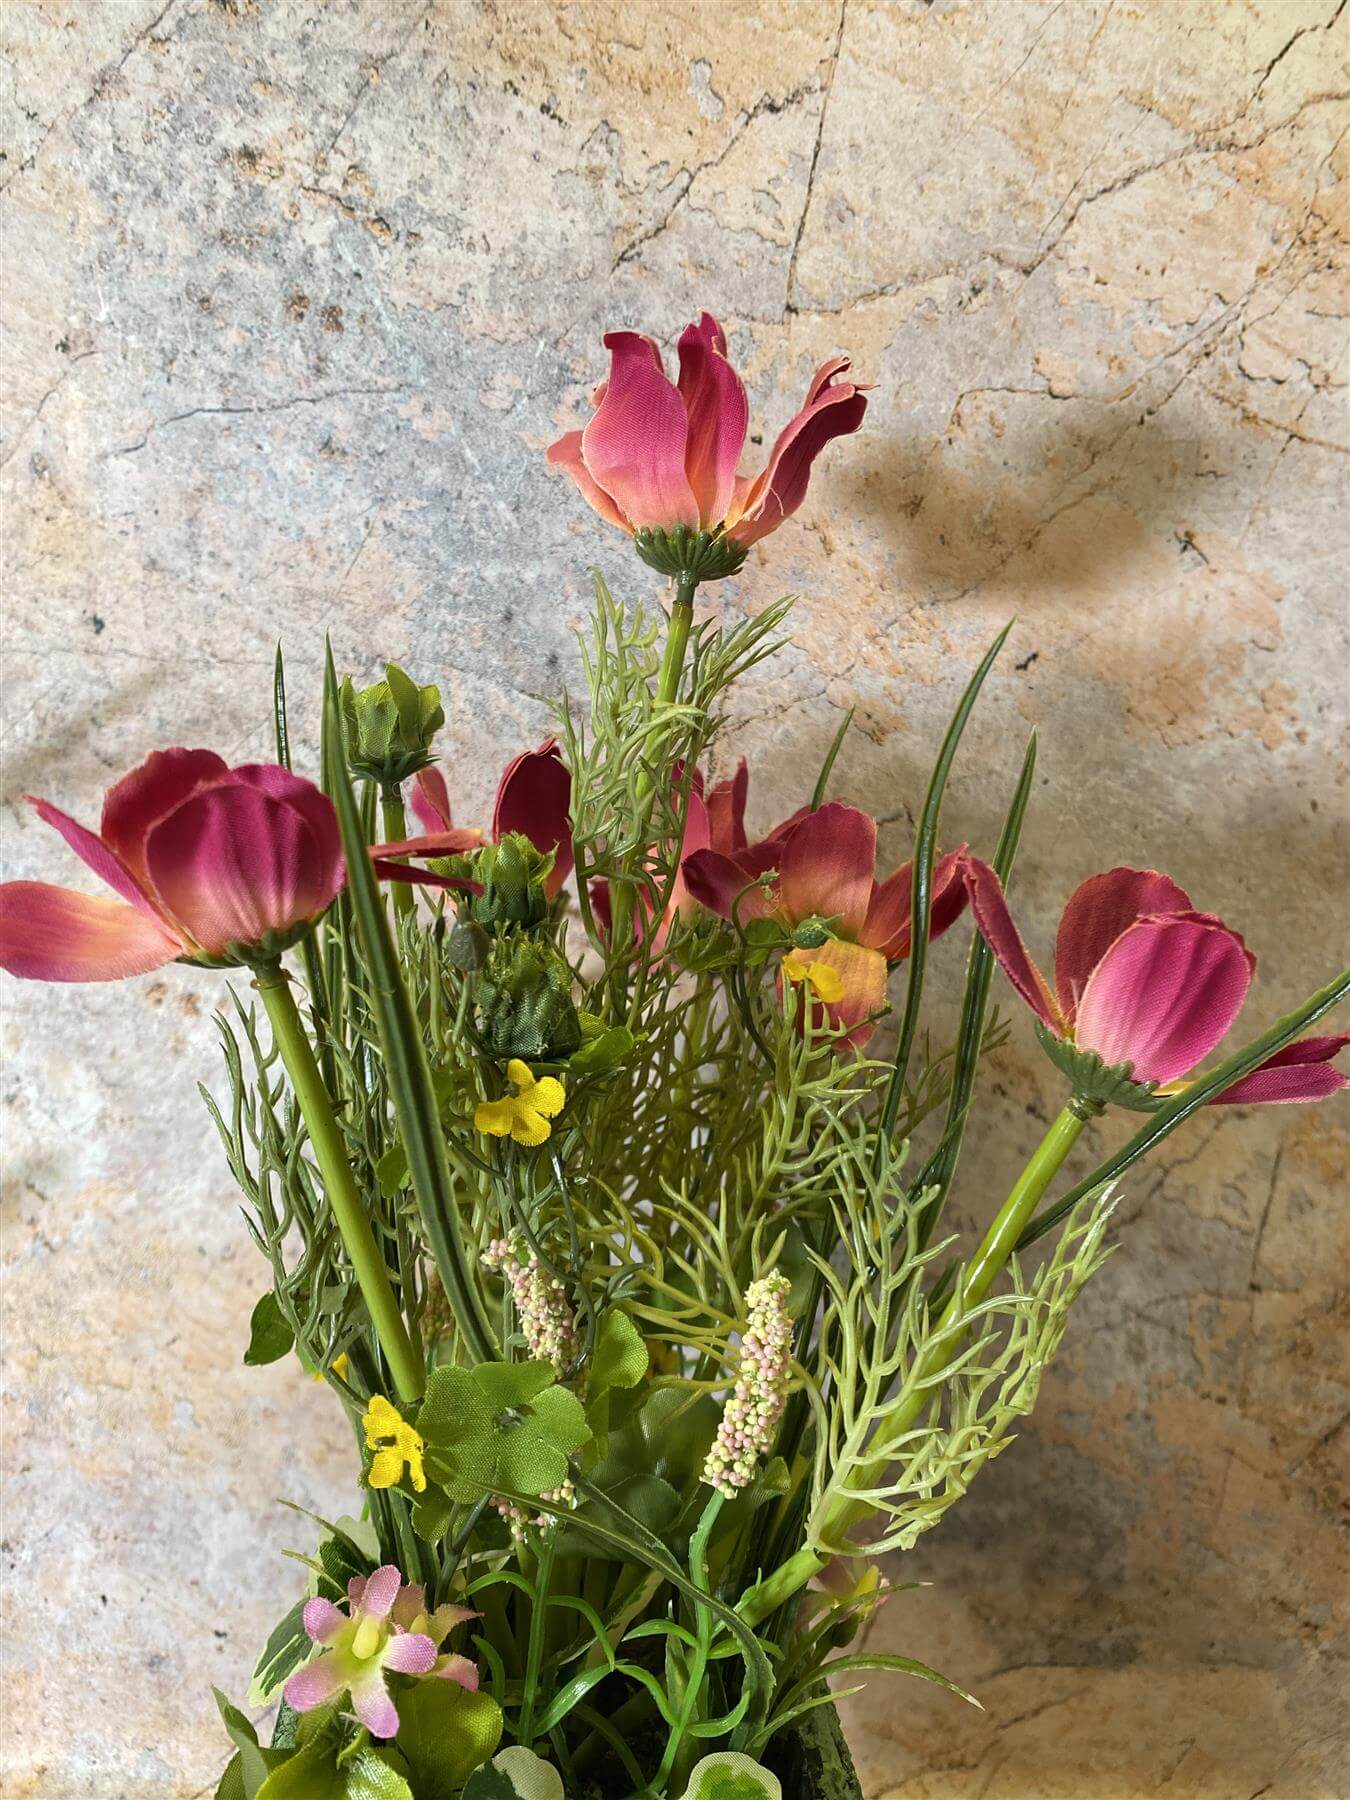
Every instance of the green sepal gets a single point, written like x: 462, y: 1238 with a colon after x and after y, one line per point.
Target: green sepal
x: 269, y: 1335
x: 1093, y: 1081
x: 512, y: 873
x: 690, y: 556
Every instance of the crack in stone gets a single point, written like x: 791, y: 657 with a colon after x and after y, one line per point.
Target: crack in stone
x: 766, y: 103
x: 36, y: 413
x: 373, y: 73
x: 789, y: 304
x: 102, y: 82
x: 275, y: 406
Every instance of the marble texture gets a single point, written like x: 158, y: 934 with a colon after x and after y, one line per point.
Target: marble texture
x: 296, y: 294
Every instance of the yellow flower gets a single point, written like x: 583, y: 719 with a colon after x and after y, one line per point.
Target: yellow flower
x: 394, y: 1442
x: 338, y: 1367
x: 525, y: 1114
x: 824, y: 982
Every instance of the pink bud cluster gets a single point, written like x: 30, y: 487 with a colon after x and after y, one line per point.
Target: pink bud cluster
x: 520, y: 1521
x: 541, y: 1303
x: 751, y: 1415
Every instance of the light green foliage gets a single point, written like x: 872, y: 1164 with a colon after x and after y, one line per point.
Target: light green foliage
x: 500, y: 1428
x: 731, y: 1776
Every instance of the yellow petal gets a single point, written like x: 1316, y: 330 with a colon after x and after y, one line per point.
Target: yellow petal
x: 386, y: 1466
x: 795, y: 966
x: 530, y: 1127
x: 548, y: 1096
x: 381, y: 1420
x: 495, y: 1117
x: 826, y: 983
x: 519, y: 1075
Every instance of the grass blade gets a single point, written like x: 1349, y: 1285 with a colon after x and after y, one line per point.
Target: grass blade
x: 925, y: 854
x: 406, y: 1067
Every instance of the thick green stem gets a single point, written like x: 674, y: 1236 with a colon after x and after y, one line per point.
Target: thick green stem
x: 330, y: 1152
x: 395, y: 831
x: 992, y: 1254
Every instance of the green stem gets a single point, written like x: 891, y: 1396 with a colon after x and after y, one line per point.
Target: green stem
x: 534, y: 1655
x: 992, y: 1254
x: 679, y: 1747
x: 395, y: 831
x: 316, y: 1108
x: 667, y: 690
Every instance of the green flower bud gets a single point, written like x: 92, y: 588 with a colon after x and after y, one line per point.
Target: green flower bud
x: 525, y: 1005
x: 468, y: 946
x: 389, y: 727
x: 512, y: 873
x: 811, y: 934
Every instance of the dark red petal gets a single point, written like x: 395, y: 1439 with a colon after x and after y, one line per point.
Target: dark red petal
x: 137, y: 803
x: 1297, y: 1073
x: 995, y: 925
x: 534, y: 797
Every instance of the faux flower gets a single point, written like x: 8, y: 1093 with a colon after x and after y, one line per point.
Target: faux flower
x: 357, y: 1649
x: 662, y: 455
x: 207, y: 861
x: 500, y: 1427
x: 395, y: 1444
x: 212, y: 864
x: 1143, y: 979
x: 540, y: 1299
x: 751, y: 1416
x: 525, y: 1114
x: 533, y: 798
x: 848, y: 928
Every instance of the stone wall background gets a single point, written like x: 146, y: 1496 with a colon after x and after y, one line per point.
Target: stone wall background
x: 296, y: 294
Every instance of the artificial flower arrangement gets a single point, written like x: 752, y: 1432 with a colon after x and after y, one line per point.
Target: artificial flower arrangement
x: 587, y: 1182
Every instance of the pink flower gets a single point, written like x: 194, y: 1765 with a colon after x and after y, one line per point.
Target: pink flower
x: 1142, y: 978
x: 533, y: 798
x: 849, y: 927
x: 385, y: 1630
x: 661, y: 455
x: 207, y: 861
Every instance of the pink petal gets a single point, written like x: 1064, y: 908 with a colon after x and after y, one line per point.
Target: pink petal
x: 431, y: 800
x: 94, y: 853
x: 1164, y: 994
x: 461, y: 1670
x: 447, y: 1617
x: 726, y: 811
x: 356, y: 1587
x: 410, y: 1653
x: 141, y: 799
x: 566, y: 455
x: 312, y: 804
x: 232, y: 864
x: 996, y: 927
x: 411, y: 1599
x: 887, y: 924
x: 373, y: 1707
x: 830, y: 412
x: 323, y: 1621
x: 1097, y: 913
x: 827, y: 865
x: 714, y: 881
x: 55, y: 934
x: 718, y: 414
x: 533, y: 798
x: 315, y: 1684
x: 634, y: 445
x: 381, y: 1591
x: 1297, y: 1073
